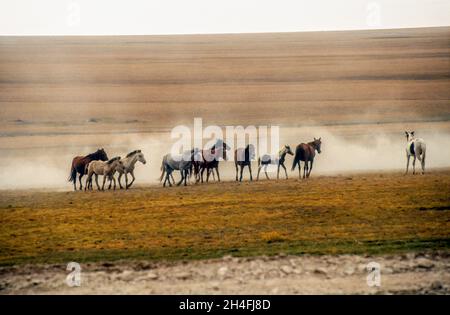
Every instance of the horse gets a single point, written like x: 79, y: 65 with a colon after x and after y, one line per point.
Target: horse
x: 415, y: 147
x: 79, y: 165
x: 128, y: 166
x: 107, y: 169
x: 181, y: 163
x: 306, y: 152
x: 210, y: 160
x: 242, y: 158
x: 267, y: 160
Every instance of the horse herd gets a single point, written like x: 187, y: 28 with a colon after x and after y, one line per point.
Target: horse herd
x: 194, y: 163
x: 191, y: 164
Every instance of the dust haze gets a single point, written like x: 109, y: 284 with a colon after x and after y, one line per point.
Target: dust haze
x: 40, y: 168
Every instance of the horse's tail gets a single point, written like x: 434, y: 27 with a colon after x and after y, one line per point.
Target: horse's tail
x: 295, y: 162
x: 163, y: 170
x: 73, y: 174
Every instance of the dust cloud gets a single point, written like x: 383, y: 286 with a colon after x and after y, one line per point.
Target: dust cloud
x: 38, y: 167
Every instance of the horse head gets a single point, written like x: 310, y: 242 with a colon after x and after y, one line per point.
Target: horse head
x: 317, y: 143
x: 409, y: 135
x: 101, y: 154
x: 288, y: 150
x: 141, y: 158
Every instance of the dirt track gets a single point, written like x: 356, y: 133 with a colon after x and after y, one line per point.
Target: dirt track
x: 346, y: 274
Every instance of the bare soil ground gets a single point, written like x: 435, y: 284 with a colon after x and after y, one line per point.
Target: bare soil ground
x: 413, y: 273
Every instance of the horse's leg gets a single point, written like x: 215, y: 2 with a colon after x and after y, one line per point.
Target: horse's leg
x: 278, y: 171
x: 423, y: 163
x: 126, y: 180
x: 201, y: 174
x: 414, y: 165
x: 259, y: 170
x: 166, y: 178
x: 265, y: 172
x: 208, y: 173
x: 114, y: 183
x: 310, y: 167
x: 169, y: 174
x: 299, y: 170
x: 305, y: 169
x: 81, y: 185
x: 242, y: 169
x: 110, y: 183
x: 185, y: 177
x: 75, y: 182
x: 104, y: 181
x: 218, y: 175
x: 132, y: 181
x: 250, y: 170
x: 96, y: 181
x: 182, y: 177
x: 118, y: 179
x: 407, y: 163
x: 285, y: 171
x: 88, y: 180
x: 235, y: 164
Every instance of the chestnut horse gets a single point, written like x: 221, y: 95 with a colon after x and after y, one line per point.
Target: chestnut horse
x: 306, y: 152
x: 79, y: 165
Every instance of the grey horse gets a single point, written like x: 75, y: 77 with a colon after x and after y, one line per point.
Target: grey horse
x: 180, y: 163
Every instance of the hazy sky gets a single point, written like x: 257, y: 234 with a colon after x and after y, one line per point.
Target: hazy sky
x: 111, y: 17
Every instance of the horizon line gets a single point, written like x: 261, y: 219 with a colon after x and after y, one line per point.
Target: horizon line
x: 229, y: 33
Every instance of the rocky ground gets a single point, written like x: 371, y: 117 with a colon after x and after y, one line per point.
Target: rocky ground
x: 412, y: 273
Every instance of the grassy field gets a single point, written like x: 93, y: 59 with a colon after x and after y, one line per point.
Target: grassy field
x: 358, y: 213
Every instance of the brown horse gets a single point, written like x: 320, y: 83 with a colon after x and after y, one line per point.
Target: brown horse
x: 306, y: 152
x: 210, y: 161
x: 79, y: 165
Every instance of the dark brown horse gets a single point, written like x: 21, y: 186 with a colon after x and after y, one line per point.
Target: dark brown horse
x: 79, y: 164
x: 210, y: 160
x: 243, y: 157
x: 306, y: 152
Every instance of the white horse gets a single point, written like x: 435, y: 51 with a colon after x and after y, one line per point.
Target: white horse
x: 128, y: 166
x: 417, y: 148
x: 277, y: 160
x: 107, y: 169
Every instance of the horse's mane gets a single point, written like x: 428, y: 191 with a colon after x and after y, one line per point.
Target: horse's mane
x: 94, y: 154
x: 133, y: 152
x: 113, y: 159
